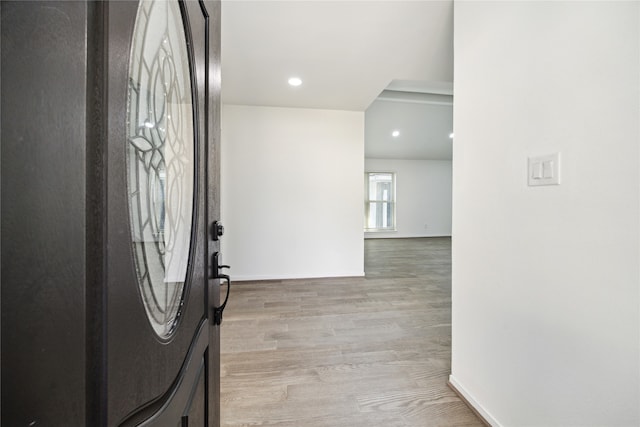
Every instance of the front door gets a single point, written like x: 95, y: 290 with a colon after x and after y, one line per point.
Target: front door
x: 161, y: 339
x: 110, y: 241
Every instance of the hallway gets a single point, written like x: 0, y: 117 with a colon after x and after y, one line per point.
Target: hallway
x: 346, y: 352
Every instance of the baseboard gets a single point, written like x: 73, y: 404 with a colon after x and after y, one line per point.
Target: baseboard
x: 369, y: 236
x: 293, y: 277
x: 472, y: 403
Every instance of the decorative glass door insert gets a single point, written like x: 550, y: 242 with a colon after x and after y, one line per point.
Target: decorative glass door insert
x: 160, y: 160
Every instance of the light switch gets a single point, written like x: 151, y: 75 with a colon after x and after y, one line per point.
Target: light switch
x: 544, y: 170
x: 536, y: 170
x: 547, y: 169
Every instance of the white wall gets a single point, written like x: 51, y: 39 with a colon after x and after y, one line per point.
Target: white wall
x: 546, y: 279
x: 292, y: 191
x: 423, y: 196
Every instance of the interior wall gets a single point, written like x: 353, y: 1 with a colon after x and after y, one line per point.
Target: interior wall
x: 292, y: 192
x: 423, y: 196
x: 546, y: 279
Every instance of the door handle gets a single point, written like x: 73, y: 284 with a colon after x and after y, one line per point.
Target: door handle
x: 217, y: 311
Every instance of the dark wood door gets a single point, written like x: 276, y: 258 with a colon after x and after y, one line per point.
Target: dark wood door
x: 111, y: 321
x: 161, y: 175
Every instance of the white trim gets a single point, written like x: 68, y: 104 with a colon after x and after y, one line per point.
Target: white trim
x: 392, y: 235
x: 473, y: 402
x: 440, y: 88
x: 413, y: 98
x: 293, y: 276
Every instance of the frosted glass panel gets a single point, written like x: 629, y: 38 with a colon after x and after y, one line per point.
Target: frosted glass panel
x: 160, y: 160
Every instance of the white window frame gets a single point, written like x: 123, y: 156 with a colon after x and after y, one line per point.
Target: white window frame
x: 367, y: 203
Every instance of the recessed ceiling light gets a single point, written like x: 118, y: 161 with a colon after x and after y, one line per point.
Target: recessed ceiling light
x: 451, y: 135
x: 295, y: 81
x: 395, y: 133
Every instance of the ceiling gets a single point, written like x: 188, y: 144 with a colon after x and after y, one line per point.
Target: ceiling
x: 345, y: 52
x: 424, y: 125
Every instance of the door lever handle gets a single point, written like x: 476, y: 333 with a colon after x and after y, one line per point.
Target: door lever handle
x: 217, y: 311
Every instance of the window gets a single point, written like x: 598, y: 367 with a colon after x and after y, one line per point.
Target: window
x: 379, y: 204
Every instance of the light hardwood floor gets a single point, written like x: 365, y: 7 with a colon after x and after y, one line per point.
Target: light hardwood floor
x: 348, y: 352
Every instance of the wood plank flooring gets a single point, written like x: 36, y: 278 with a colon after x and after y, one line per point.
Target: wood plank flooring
x: 348, y: 352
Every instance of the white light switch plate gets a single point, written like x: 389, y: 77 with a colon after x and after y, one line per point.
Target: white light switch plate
x: 544, y: 170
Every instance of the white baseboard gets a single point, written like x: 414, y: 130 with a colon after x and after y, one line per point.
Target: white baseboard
x: 382, y: 235
x: 471, y: 401
x: 242, y: 278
